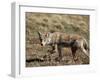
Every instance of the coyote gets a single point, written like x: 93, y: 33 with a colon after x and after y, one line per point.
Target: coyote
x: 58, y: 40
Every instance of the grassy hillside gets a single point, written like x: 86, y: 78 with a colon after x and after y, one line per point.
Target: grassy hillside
x: 36, y: 55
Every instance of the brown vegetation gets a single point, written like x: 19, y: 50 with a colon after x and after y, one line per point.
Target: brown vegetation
x: 36, y: 55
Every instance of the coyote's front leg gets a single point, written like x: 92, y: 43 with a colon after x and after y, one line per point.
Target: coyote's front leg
x: 54, y: 48
x: 57, y: 49
x: 59, y: 52
x: 74, y: 49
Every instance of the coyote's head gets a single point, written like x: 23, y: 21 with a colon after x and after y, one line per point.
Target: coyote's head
x: 44, y: 38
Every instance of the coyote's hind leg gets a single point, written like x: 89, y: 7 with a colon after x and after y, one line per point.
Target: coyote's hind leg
x: 74, y: 49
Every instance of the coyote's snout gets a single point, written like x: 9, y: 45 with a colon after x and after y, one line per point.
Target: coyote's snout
x: 58, y: 40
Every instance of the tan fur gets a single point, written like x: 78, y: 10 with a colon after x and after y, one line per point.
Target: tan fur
x: 58, y: 40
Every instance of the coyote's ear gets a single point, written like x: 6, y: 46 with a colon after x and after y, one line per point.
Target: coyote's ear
x: 39, y: 33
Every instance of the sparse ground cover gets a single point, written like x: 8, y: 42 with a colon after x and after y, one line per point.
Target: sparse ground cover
x: 36, y: 55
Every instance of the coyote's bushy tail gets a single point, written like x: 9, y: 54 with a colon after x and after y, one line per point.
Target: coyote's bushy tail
x: 85, y: 44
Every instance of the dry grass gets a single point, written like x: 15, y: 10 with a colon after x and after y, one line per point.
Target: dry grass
x: 45, y: 22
